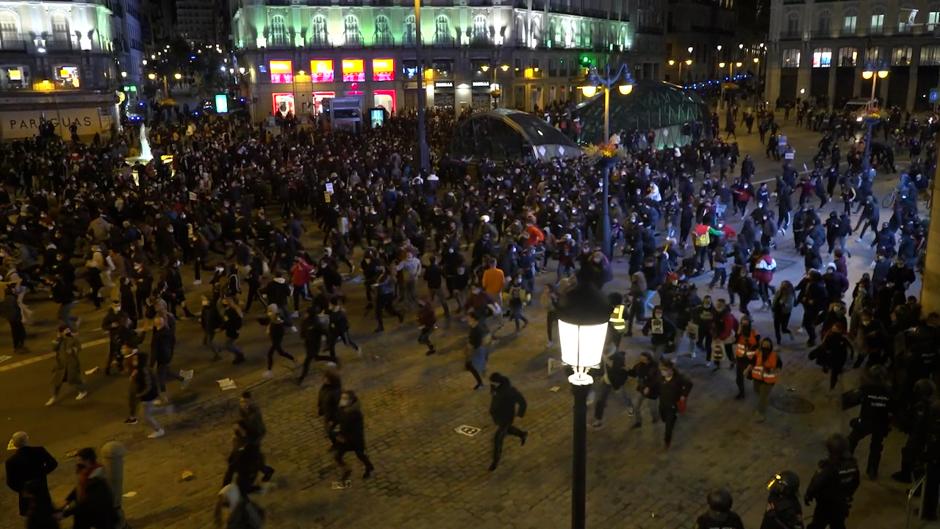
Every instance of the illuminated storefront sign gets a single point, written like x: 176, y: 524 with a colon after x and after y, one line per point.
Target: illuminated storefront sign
x: 443, y: 84
x: 283, y: 104
x: 321, y: 71
x: 386, y: 99
x: 319, y: 97
x: 282, y: 72
x: 354, y: 70
x: 481, y: 84
x: 221, y: 103
x: 383, y: 69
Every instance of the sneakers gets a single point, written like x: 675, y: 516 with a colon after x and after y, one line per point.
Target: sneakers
x: 267, y: 374
x: 197, y: 282
x: 156, y: 434
x: 51, y: 401
x: 187, y: 377
x: 597, y: 424
x: 710, y: 364
x: 131, y: 420
x: 81, y: 395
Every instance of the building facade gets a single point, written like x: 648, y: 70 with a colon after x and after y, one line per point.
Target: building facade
x: 703, y: 26
x: 63, y: 61
x: 295, y: 54
x: 819, y: 50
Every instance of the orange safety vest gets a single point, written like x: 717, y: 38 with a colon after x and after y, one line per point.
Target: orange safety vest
x: 765, y: 370
x: 745, y: 345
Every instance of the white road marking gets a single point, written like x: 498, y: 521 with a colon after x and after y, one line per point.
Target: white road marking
x: 46, y: 356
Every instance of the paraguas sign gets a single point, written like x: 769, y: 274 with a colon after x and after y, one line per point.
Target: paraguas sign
x: 25, y: 124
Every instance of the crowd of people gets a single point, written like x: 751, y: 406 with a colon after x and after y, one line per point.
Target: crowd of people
x: 232, y: 221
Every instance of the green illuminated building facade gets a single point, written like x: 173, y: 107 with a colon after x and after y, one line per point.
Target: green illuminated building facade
x: 294, y: 54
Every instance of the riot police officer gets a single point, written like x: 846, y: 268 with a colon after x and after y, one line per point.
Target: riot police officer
x: 783, y: 503
x: 719, y: 514
x: 911, y: 454
x: 833, y: 485
x: 874, y: 418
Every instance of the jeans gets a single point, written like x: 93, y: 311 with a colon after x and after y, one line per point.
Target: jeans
x: 651, y: 403
x: 763, y: 395
x: 781, y: 324
x: 604, y: 392
x: 163, y: 373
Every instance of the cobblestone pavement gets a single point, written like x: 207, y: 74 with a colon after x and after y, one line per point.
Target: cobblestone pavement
x: 430, y: 476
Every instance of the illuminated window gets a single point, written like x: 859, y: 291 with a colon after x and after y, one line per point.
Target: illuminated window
x: 933, y: 20
x: 873, y: 55
x: 278, y: 31
x: 321, y: 71
x: 383, y: 69
x: 354, y: 71
x: 901, y: 56
x: 409, y: 30
x: 442, y: 30
x: 318, y: 32
x: 848, y: 24
x: 480, y: 33
x: 351, y: 34
x: 848, y: 57
x: 791, y: 58
x: 930, y: 55
x: 67, y: 76
x: 14, y: 77
x: 822, y: 57
x: 877, y: 22
x: 281, y: 72
x: 383, y: 32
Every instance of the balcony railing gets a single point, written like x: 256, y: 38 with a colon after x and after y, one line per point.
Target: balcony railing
x: 62, y: 45
x: 790, y: 34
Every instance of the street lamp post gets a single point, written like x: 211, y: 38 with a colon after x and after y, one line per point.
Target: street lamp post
x: 583, y: 318
x: 595, y: 81
x: 870, y: 119
x: 422, y: 96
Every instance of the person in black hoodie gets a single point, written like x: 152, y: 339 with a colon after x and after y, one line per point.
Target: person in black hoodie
x: 339, y: 329
x: 783, y: 503
x: 29, y: 464
x: 646, y: 371
x: 719, y: 514
x: 507, y: 403
x: 673, y: 391
x: 349, y: 435
x: 328, y: 399
x: 615, y: 376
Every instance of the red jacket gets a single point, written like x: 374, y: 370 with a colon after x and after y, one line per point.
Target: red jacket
x: 725, y: 326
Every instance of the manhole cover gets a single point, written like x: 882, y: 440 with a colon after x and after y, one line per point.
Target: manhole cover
x: 789, y: 403
x: 783, y: 264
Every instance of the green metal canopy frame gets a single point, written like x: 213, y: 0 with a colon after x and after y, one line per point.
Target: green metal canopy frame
x: 677, y: 116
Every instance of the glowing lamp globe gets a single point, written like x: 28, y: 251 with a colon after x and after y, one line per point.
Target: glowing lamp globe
x: 584, y: 315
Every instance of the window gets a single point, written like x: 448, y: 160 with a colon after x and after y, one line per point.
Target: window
x: 383, y: 32
x: 14, y: 77
x: 409, y: 31
x: 848, y: 57
x: 60, y: 29
x: 793, y: 24
x: 442, y: 30
x: 873, y: 55
x: 9, y: 28
x: 933, y: 20
x: 278, y: 31
x: 351, y: 34
x: 848, y: 24
x: 66, y: 76
x: 877, y: 22
x: 901, y: 56
x: 479, y: 29
x: 791, y: 58
x: 318, y: 32
x: 930, y: 55
x: 822, y: 24
x: 282, y: 72
x: 822, y: 57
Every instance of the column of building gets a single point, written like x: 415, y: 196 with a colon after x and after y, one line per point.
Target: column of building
x: 911, y: 98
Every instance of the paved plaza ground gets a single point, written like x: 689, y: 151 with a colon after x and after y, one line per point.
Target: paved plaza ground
x: 427, y: 474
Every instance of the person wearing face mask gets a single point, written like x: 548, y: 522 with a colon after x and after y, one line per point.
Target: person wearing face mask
x: 719, y: 514
x: 833, y: 352
x: 746, y: 342
x: 763, y: 371
x: 506, y: 404
x: 703, y: 318
x: 116, y: 322
x: 349, y: 435
x: 662, y: 332
x: 723, y: 334
x: 91, y: 502
x: 674, y: 389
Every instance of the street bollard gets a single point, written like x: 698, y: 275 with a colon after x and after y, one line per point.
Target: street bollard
x: 112, y: 458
